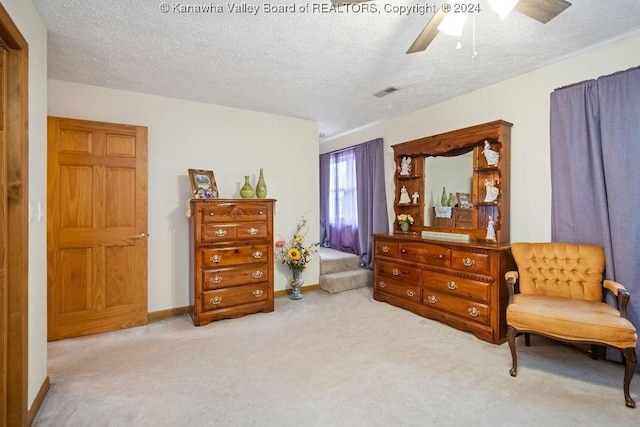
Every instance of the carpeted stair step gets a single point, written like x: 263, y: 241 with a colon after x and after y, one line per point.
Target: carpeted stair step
x: 345, y: 280
x: 333, y: 261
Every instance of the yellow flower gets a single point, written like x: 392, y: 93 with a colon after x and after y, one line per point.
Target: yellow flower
x: 294, y: 254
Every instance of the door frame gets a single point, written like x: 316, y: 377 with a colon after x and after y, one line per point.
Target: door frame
x: 14, y: 369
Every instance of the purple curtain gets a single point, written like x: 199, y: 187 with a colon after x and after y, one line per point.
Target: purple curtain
x: 595, y: 151
x: 372, y: 200
x: 347, y: 223
x: 325, y: 183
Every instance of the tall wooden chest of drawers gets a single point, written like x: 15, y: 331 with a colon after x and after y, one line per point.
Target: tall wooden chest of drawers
x: 461, y: 284
x: 232, y: 258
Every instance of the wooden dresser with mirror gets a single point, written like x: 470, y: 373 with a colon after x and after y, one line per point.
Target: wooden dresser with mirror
x: 450, y: 265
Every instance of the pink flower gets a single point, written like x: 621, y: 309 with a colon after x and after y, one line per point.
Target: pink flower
x: 280, y: 243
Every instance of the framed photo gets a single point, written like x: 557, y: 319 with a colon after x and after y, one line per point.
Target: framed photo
x: 464, y: 200
x: 203, y: 184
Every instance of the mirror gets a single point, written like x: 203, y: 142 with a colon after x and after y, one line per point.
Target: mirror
x: 454, y: 175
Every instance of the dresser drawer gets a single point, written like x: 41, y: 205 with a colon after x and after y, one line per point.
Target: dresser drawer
x: 228, y: 297
x: 228, y: 232
x: 425, y: 253
x: 386, y: 248
x: 234, y: 212
x: 399, y: 289
x: 220, y: 257
x: 402, y: 273
x: 457, y: 286
x: 471, y: 262
x: 469, y: 310
x: 229, y: 277
x: 462, y: 218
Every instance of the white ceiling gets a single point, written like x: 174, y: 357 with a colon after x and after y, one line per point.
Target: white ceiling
x: 317, y: 65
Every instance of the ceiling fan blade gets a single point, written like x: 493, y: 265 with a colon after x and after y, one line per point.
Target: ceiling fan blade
x: 542, y: 10
x: 428, y: 33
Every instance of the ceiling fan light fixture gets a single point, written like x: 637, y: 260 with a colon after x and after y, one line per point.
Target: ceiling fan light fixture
x: 503, y: 7
x: 453, y: 24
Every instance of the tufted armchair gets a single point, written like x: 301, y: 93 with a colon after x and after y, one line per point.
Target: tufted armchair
x: 560, y: 296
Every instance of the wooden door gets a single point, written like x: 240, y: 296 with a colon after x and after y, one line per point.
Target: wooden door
x: 4, y: 309
x: 14, y: 244
x: 97, y: 227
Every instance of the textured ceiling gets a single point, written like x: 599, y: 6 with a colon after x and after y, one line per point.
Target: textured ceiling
x: 321, y: 64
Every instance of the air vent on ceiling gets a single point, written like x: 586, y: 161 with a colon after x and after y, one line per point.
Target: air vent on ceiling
x: 386, y: 91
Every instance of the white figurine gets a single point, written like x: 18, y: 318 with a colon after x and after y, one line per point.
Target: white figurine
x: 415, y: 196
x: 405, y: 166
x: 491, y: 190
x: 492, y: 156
x: 404, y: 195
x: 491, y: 230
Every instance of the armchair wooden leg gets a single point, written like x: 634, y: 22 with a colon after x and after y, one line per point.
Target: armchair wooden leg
x: 527, y: 339
x: 511, y: 337
x: 629, y: 370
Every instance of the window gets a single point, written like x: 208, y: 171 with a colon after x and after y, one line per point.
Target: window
x: 343, y: 195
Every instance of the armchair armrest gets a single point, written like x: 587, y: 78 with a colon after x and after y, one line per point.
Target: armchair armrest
x: 618, y: 290
x: 511, y: 277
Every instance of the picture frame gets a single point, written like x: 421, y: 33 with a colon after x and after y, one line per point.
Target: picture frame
x: 203, y: 184
x: 464, y: 200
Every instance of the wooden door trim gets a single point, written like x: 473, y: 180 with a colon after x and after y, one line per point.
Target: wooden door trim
x: 17, y: 161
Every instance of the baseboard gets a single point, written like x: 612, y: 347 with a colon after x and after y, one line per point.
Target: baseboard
x: 165, y: 314
x: 37, y: 402
x: 285, y: 292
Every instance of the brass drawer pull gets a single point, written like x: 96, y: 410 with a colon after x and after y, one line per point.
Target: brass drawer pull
x: 257, y: 293
x: 216, y: 300
x: 221, y: 233
x: 216, y: 279
x: 385, y: 249
x: 473, y: 312
x: 210, y: 213
x: 257, y: 274
x: 252, y: 231
x: 411, y: 293
x: 257, y: 254
x: 452, y: 285
x: 382, y: 285
x: 468, y: 262
x: 432, y: 299
x: 216, y: 259
x: 395, y: 272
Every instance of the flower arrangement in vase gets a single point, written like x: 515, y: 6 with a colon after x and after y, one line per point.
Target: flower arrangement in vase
x: 404, y: 220
x: 296, y: 255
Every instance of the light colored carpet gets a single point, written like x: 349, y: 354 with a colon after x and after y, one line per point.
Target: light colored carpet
x: 326, y: 360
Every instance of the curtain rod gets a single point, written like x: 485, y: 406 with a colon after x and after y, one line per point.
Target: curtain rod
x: 350, y: 147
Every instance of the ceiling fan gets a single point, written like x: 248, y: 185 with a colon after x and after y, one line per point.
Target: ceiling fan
x: 541, y: 10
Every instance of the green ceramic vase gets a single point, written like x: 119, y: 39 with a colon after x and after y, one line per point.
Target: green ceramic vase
x: 247, y: 191
x: 444, y: 200
x: 452, y: 200
x: 261, y: 187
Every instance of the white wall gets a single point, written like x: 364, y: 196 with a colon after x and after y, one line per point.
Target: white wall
x: 523, y: 101
x: 26, y: 18
x: 232, y: 143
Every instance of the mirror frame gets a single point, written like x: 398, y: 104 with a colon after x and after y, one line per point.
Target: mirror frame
x: 498, y: 133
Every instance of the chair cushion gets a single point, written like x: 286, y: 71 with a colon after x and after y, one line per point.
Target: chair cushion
x: 571, y: 320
